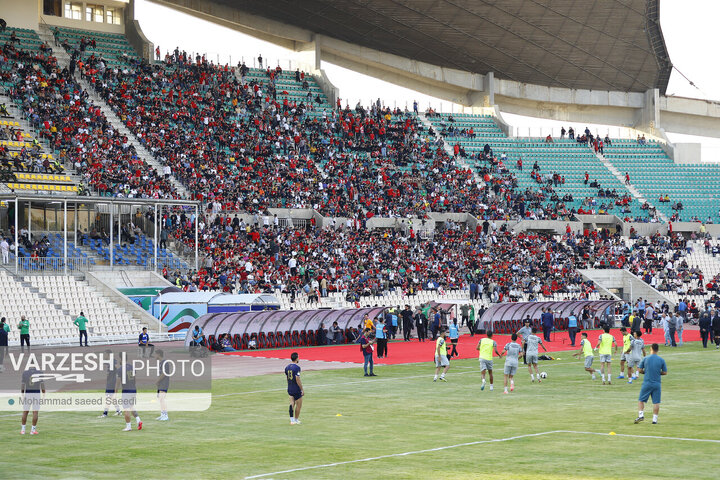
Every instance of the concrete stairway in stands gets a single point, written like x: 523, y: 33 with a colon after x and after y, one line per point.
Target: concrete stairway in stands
x: 633, y: 191
x: 449, y: 149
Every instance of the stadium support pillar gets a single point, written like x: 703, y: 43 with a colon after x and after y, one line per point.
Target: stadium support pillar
x: 484, y: 98
x: 65, y: 235
x: 112, y: 222
x: 649, y: 115
x: 75, y: 224
x: 29, y: 220
x: 155, y: 246
x: 17, y: 245
x: 197, y: 220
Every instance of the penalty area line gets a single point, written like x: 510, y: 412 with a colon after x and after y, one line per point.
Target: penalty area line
x: 469, y: 444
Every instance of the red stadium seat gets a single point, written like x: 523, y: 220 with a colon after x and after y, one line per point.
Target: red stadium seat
x: 262, y: 340
x: 311, y: 339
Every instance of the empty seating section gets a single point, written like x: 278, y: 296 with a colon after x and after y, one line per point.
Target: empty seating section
x: 141, y: 253
x: 47, y: 322
x: 654, y: 174
x: 105, y: 319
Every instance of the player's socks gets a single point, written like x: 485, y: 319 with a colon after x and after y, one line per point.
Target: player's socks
x: 482, y: 385
x: 442, y: 377
x: 641, y: 414
x: 435, y: 378
x: 22, y: 430
x: 128, y: 427
x: 491, y: 387
x: 291, y: 412
x: 532, y: 377
x: 297, y: 422
x: 594, y: 377
x: 33, y: 429
x: 655, y: 418
x: 512, y: 385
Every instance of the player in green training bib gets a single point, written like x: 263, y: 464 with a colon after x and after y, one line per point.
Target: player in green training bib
x: 624, y: 356
x: 586, y: 351
x: 604, y: 346
x: 486, y: 346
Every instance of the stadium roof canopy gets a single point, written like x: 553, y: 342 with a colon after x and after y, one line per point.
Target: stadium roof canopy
x: 599, y: 45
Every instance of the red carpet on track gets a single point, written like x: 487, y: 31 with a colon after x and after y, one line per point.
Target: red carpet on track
x: 415, y: 351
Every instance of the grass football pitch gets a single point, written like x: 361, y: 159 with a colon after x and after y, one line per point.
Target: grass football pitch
x: 401, y: 425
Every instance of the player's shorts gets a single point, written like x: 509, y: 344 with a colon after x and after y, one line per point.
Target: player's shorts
x: 624, y: 357
x: 486, y: 364
x: 296, y: 394
x: 634, y: 362
x: 648, y: 391
x: 31, y: 401
x: 605, y: 358
x: 588, y: 361
x: 531, y: 358
x: 441, y: 361
x: 128, y: 401
x: 510, y: 369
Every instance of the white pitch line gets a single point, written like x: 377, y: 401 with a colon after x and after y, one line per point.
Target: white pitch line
x: 468, y: 444
x: 684, y: 439
x: 436, y: 449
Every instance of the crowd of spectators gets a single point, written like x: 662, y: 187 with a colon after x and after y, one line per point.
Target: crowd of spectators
x: 61, y: 112
x: 358, y: 262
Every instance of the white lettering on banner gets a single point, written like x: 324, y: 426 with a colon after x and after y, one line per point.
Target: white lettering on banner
x: 62, y: 362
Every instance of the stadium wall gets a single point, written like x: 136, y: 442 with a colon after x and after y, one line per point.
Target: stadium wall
x: 20, y: 14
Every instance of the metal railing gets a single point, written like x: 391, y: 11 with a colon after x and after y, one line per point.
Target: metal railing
x: 50, y: 265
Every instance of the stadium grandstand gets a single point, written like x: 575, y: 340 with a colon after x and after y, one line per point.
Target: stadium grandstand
x: 174, y: 170
x: 179, y: 211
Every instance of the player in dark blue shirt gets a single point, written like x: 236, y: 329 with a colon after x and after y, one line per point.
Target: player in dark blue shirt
x: 295, y: 389
x: 31, y: 397
x: 111, y: 382
x: 129, y: 393
x: 144, y: 342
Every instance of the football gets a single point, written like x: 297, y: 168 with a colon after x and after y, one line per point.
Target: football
x: 543, y: 375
